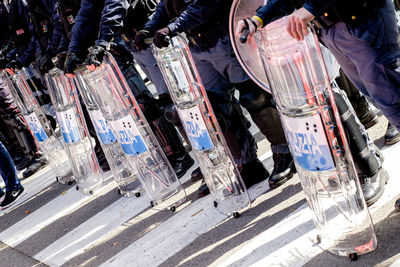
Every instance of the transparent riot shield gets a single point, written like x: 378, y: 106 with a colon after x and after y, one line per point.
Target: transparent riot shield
x: 301, y: 88
x: 118, y: 105
x: 201, y: 126
x: 77, y: 141
x: 48, y: 142
x: 124, y: 175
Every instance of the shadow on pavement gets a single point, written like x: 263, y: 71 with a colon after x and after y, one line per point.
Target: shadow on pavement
x: 232, y: 226
x: 387, y: 231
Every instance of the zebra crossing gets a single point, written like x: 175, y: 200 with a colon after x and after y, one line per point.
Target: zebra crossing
x: 55, y: 225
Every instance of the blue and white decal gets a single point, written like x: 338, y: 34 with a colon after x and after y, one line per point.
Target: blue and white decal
x: 68, y: 125
x: 308, y: 142
x: 36, y: 127
x: 103, y: 131
x: 128, y: 136
x: 196, y: 129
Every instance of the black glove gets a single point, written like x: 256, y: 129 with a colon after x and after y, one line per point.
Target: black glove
x: 161, y: 38
x: 72, y: 61
x: 96, y: 55
x: 14, y: 64
x: 44, y: 63
x: 61, y: 59
x: 140, y: 38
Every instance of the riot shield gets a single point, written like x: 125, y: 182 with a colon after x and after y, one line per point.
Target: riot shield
x: 120, y: 108
x: 124, y: 175
x: 201, y: 126
x: 77, y: 141
x: 302, y: 91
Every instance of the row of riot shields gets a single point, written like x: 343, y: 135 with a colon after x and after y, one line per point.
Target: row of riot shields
x: 293, y: 71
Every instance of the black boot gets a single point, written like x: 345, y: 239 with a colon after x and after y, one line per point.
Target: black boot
x: 373, y: 187
x: 392, y: 135
x: 196, y: 175
x: 38, y: 162
x: 283, y: 169
x: 253, y: 173
x: 181, y: 164
x: 203, y: 189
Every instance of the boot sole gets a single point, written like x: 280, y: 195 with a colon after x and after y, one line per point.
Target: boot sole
x: 284, y: 180
x: 393, y: 140
x: 375, y: 198
x: 41, y: 167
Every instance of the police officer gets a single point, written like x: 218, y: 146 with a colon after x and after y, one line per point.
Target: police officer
x: 346, y: 26
x: 21, y: 28
x: 206, y: 26
x: 98, y: 24
x: 47, y: 31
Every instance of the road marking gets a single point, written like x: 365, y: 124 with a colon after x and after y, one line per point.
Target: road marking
x: 55, y: 209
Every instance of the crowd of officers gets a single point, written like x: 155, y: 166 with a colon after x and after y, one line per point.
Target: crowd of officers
x: 77, y: 32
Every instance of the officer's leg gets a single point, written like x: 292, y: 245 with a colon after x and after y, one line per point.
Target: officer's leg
x: 7, y: 170
x: 165, y: 132
x: 10, y: 141
x: 358, y: 101
x: 265, y: 115
x: 98, y: 150
x: 259, y: 105
x: 145, y: 59
x: 359, y: 61
x: 237, y: 133
x: 366, y: 156
x: 27, y: 142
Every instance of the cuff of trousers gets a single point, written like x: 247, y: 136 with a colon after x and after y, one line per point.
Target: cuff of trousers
x: 280, y: 149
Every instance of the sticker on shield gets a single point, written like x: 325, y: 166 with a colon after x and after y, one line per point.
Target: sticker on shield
x: 308, y: 143
x: 128, y: 136
x: 68, y: 125
x: 103, y: 131
x: 196, y: 128
x: 36, y: 127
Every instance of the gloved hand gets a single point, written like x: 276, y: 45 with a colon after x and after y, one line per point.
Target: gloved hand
x: 44, y: 63
x: 161, y: 38
x: 246, y: 28
x: 95, y: 57
x: 17, y: 122
x: 61, y: 59
x: 72, y: 62
x: 14, y: 65
x: 140, y: 38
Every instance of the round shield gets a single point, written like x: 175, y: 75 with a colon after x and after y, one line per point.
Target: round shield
x: 248, y: 54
